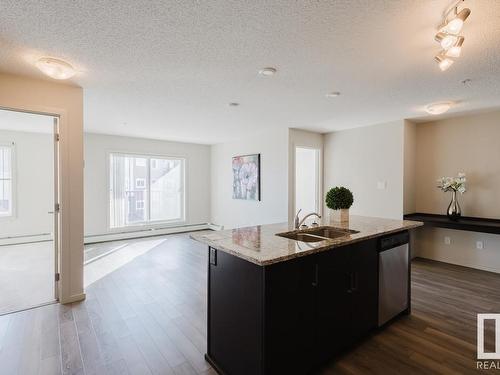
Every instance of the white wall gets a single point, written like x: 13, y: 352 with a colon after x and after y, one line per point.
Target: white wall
x: 361, y: 158
x: 66, y: 101
x: 98, y: 146
x: 410, y: 165
x: 469, y: 144
x: 273, y: 207
x: 33, y: 184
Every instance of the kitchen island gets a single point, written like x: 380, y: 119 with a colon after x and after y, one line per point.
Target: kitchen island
x: 282, y: 301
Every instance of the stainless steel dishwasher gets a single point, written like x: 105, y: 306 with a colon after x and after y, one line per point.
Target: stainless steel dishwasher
x: 393, y: 276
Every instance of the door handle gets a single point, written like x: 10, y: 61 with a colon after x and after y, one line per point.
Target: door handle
x: 315, y: 280
x: 354, y: 281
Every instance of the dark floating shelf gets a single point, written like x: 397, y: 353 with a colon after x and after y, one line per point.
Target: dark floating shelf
x: 472, y: 224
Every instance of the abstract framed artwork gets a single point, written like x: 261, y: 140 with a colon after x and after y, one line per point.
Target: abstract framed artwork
x: 246, y: 177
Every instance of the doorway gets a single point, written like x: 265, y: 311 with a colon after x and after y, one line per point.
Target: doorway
x: 307, y: 180
x: 29, y: 211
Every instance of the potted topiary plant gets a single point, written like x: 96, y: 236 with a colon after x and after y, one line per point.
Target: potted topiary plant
x: 339, y: 199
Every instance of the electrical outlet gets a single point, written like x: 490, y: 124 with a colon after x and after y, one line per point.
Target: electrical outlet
x: 479, y: 245
x: 381, y: 185
x: 447, y: 240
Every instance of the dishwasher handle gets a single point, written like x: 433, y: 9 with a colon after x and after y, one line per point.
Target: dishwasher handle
x: 394, y: 240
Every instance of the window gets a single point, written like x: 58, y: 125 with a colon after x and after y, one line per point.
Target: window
x: 6, y: 197
x: 145, y: 189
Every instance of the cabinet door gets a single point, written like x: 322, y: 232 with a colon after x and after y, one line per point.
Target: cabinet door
x: 333, y: 312
x: 235, y: 314
x: 290, y: 306
x: 364, y: 304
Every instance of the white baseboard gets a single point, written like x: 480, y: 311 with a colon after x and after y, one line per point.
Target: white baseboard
x: 143, y: 233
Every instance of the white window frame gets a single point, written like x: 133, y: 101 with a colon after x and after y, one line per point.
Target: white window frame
x: 142, y: 204
x: 150, y: 223
x: 13, y: 179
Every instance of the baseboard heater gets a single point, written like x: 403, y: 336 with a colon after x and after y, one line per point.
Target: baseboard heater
x: 25, y: 239
x: 106, y: 237
x: 149, y: 232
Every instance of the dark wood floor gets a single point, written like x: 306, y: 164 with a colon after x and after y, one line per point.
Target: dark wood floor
x: 149, y: 316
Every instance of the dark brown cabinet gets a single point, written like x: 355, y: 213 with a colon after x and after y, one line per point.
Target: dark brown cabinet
x: 333, y: 302
x: 364, y: 295
x: 346, y: 296
x: 289, y: 317
x: 234, y: 327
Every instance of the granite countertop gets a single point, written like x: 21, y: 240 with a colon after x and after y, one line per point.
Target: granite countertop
x: 260, y: 245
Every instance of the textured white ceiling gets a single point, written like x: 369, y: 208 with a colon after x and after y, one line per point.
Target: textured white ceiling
x: 168, y: 69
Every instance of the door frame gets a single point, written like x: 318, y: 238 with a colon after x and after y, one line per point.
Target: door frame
x: 60, y: 154
x: 57, y: 206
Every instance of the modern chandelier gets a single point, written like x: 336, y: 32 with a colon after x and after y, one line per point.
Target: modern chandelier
x: 448, y: 35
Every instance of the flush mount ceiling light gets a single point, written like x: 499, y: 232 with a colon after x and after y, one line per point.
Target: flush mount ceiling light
x: 448, y: 37
x: 267, y: 72
x: 443, y: 61
x: 55, y: 68
x: 333, y: 94
x: 438, y: 108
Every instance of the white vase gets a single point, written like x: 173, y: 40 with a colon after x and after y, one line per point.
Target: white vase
x: 339, y: 216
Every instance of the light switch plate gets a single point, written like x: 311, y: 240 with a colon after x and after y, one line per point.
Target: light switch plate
x: 479, y: 245
x: 381, y: 185
x: 447, y: 240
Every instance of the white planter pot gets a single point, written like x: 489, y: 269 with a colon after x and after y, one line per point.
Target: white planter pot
x: 339, y: 216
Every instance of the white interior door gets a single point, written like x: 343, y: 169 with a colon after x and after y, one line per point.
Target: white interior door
x: 29, y: 219
x: 307, y: 180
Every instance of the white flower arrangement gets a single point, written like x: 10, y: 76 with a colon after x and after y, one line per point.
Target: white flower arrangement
x: 453, y: 183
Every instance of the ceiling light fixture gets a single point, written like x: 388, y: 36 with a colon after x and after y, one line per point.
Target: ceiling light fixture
x: 55, y: 68
x: 443, y: 61
x: 448, y: 37
x: 454, y: 26
x: 267, y: 72
x: 438, y: 108
x: 446, y: 40
x: 234, y: 104
x: 333, y: 94
x: 456, y: 49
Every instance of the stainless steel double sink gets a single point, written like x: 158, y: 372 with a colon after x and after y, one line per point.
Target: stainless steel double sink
x: 317, y: 234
